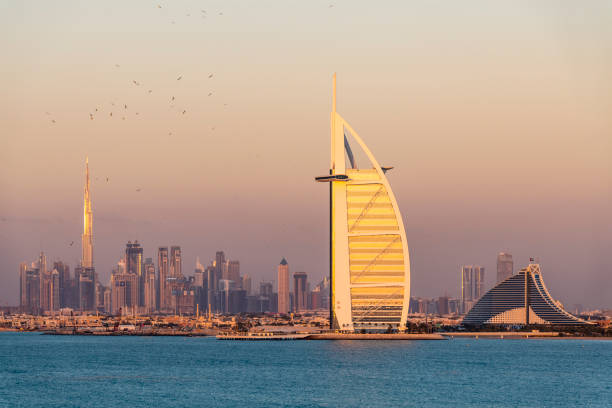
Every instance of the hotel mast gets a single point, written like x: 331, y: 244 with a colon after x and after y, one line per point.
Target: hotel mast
x: 369, y: 263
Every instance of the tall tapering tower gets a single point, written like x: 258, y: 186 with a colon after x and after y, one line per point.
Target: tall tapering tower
x: 87, y: 238
x: 369, y: 263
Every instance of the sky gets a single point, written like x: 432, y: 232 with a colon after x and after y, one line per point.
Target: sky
x: 497, y: 117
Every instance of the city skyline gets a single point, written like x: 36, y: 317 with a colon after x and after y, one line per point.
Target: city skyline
x: 519, y: 163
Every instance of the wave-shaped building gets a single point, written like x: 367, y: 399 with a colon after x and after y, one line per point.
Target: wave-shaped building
x: 369, y: 264
x: 520, y: 299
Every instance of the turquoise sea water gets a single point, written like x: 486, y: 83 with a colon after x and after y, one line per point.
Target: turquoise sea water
x: 83, y: 371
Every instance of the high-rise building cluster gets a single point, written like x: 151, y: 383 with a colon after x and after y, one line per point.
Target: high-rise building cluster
x: 137, y: 286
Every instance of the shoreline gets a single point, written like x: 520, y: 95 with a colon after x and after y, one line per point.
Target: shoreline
x: 320, y: 336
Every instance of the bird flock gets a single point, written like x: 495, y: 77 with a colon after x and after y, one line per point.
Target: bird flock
x: 123, y: 114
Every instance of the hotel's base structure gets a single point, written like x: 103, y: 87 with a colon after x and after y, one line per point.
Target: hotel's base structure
x: 369, y: 264
x: 521, y: 299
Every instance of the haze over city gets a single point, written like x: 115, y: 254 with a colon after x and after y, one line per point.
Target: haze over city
x: 496, y: 118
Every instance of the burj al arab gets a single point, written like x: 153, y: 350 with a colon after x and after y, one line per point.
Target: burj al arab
x: 369, y: 262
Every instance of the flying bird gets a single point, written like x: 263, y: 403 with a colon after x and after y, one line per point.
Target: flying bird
x: 136, y: 83
x: 137, y: 113
x: 123, y: 118
x: 137, y: 190
x: 150, y: 90
x: 158, y: 6
x: 117, y: 65
x: 53, y: 120
x: 172, y: 98
x: 71, y: 243
x: 184, y: 112
x: 111, y: 114
x: 210, y: 94
x: 125, y: 106
x: 179, y: 78
x: 210, y: 75
x: 107, y: 179
x: 91, y: 116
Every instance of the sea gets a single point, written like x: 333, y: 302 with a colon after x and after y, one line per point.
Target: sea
x: 125, y: 371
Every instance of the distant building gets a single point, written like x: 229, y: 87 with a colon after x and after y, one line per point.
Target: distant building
x: 23, y: 292
x: 505, y: 266
x: 233, y: 271
x: 472, y: 284
x: 87, y: 288
x: 32, y: 282
x: 521, y: 299
x: 443, y: 306
x: 283, y: 287
x: 478, y: 273
x: 134, y: 264
x: 87, y: 237
x: 219, y: 265
x: 176, y: 265
x: 107, y: 300
x: 124, y: 293
x: 150, y: 292
x: 246, y: 283
x: 300, y: 280
x: 162, y: 268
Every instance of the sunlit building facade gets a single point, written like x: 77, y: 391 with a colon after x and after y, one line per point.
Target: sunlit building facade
x: 521, y: 299
x: 370, y: 268
x: 284, y: 305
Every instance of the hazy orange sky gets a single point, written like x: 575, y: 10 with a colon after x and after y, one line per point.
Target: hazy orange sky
x: 496, y: 115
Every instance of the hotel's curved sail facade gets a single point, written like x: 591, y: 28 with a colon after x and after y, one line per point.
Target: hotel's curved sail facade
x: 370, y: 268
x: 520, y: 299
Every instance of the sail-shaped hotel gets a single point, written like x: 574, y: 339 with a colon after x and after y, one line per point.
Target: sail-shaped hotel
x: 369, y: 263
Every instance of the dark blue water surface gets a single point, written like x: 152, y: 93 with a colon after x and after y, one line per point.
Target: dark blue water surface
x: 78, y: 371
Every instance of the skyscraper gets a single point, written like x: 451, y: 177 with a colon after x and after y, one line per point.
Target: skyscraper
x: 23, y: 293
x: 124, y: 292
x: 505, y: 266
x: 369, y: 264
x: 162, y: 267
x: 43, y: 295
x: 176, y: 268
x: 233, y: 271
x: 219, y: 263
x: 87, y: 237
x: 85, y: 275
x: 472, y: 285
x: 478, y: 273
x: 283, y: 287
x: 246, y: 283
x: 134, y: 264
x: 466, y: 288
x: 299, y: 292
x: 150, y: 298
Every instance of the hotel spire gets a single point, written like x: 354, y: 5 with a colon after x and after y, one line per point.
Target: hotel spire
x: 87, y: 238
